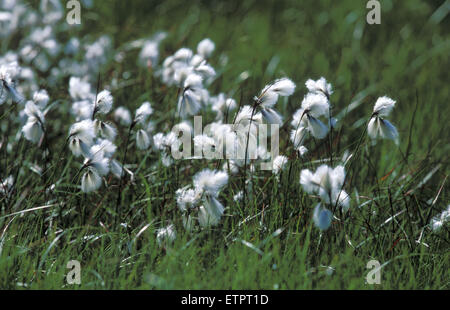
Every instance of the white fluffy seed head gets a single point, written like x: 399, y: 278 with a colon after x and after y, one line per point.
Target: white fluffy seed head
x: 316, y: 105
x: 278, y: 163
x: 382, y: 128
x: 79, y: 89
x: 183, y: 54
x: 143, y: 112
x: 90, y: 181
x: 267, y: 98
x: 97, y: 161
x: 83, y: 130
x: 142, y: 139
x: 104, y: 102
x: 166, y: 235
x: 210, y: 182
x: 41, y: 98
x: 105, y: 130
x: 283, y: 87
x: 186, y: 199
x: 205, y: 47
x: 32, y: 131
x: 317, y: 129
x: 383, y: 106
x: 193, y: 81
x: 319, y: 86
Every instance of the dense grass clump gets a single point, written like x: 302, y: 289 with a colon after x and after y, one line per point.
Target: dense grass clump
x: 118, y: 214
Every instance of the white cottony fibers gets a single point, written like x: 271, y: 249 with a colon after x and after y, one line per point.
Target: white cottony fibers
x: 319, y: 86
x: 213, y: 208
x: 205, y: 219
x: 245, y: 114
x: 270, y: 93
x: 90, y: 181
x: 142, y: 139
x: 316, y: 105
x: 184, y: 127
x: 204, y: 143
x: 166, y: 235
x: 272, y: 116
x: 144, y: 111
x: 231, y: 166
x: 189, y: 100
x: 239, y: 196
x: 313, y: 106
x: 205, y: 47
x: 105, y: 146
x: 186, y: 198
x: 116, y: 168
x: 33, y: 129
x: 166, y: 159
x: 327, y: 183
x: 302, y: 150
x: 183, y: 54
x: 317, y: 129
x: 41, y: 98
x: 210, y: 182
x: 33, y: 111
x: 7, y: 89
x: 207, y: 185
x: 383, y: 106
x: 205, y: 70
x: 105, y: 130
x: 380, y: 127
x: 322, y: 217
x: 104, y: 102
x: 81, y: 137
x: 283, y: 87
x: 82, y: 109
x: 278, y: 163
x: 267, y: 98
x: 97, y: 161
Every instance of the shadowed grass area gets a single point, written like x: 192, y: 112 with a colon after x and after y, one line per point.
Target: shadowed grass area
x: 270, y: 242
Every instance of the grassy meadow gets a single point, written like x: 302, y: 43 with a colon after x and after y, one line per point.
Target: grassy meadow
x: 268, y: 240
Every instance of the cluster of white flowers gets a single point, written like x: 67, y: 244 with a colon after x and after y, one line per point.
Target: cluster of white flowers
x: 203, y: 199
x: 306, y: 120
x: 190, y: 72
x: 92, y: 134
